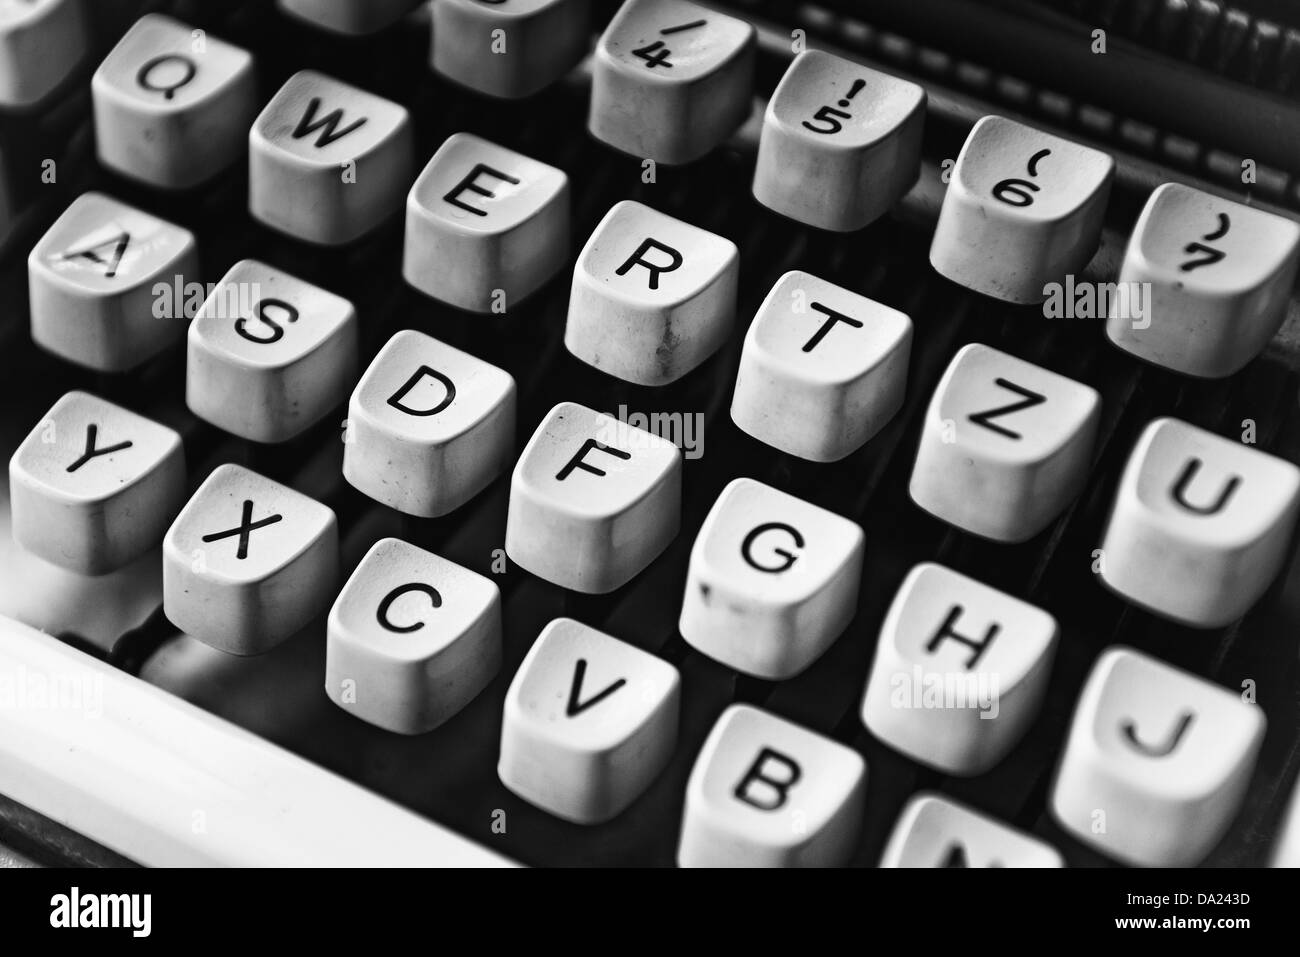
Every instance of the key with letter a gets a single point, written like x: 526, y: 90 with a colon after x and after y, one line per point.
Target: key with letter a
x: 1023, y: 209
x: 172, y: 105
x: 327, y: 162
x: 589, y: 722
x: 767, y: 793
x: 95, y: 485
x: 91, y: 283
x: 1200, y: 526
x: 248, y: 562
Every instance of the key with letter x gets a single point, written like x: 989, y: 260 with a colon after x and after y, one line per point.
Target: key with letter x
x: 248, y: 562
x: 589, y: 722
x: 327, y: 162
x: 91, y: 282
x: 593, y: 500
x: 94, y: 485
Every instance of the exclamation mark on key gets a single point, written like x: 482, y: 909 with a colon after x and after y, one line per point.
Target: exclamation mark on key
x: 853, y: 91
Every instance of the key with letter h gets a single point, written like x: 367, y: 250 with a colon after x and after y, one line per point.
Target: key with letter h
x: 1005, y: 445
x: 327, y: 162
x: 248, y: 562
x: 593, y: 500
x: 589, y: 722
x: 1200, y: 525
x: 429, y: 426
x: 1157, y: 761
x: 767, y: 793
x: 172, y: 105
x: 652, y: 296
x: 960, y: 671
x: 94, y: 485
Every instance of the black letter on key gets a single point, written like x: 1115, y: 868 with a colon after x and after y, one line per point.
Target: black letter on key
x: 832, y: 317
x: 748, y: 543
x: 146, y: 71
x: 330, y: 122
x: 636, y: 260
x: 395, y: 400
x: 246, y: 525
x: 277, y: 331
x: 779, y: 787
x: 946, y: 631
x: 91, y: 432
x: 468, y: 183
x: 577, y: 463
x: 1179, y: 491
x: 1130, y: 732
x: 986, y: 418
x: 576, y: 704
x: 382, y: 614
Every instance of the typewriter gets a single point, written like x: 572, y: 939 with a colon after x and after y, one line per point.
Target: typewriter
x: 559, y: 433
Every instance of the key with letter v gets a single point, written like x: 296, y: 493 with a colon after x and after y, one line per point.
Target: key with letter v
x: 589, y: 722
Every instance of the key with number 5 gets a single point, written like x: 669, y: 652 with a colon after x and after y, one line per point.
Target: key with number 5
x: 1023, y: 209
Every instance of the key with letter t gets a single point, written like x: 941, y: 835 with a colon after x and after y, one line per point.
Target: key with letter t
x: 248, y: 562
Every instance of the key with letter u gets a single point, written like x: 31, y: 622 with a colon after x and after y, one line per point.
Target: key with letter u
x: 1023, y: 209
x: 327, y: 162
x: 1200, y: 524
x: 172, y: 104
x: 593, y: 500
x: 1157, y: 762
x: 248, y: 562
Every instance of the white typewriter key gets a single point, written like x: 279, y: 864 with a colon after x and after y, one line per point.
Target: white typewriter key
x: 773, y: 581
x: 652, y: 296
x: 349, y: 17
x: 485, y: 226
x: 841, y: 143
x: 593, y: 500
x: 767, y: 793
x: 1219, y: 276
x: 248, y: 562
x: 269, y: 355
x: 429, y: 426
x: 822, y: 369
x: 959, y: 673
x: 1005, y: 445
x: 413, y: 638
x: 933, y: 831
x: 1023, y: 209
x: 41, y: 43
x: 91, y: 283
x: 1286, y: 846
x: 327, y: 162
x: 172, y: 104
x: 508, y: 48
x: 671, y: 80
x: 94, y: 485
x: 589, y: 722
x: 1200, y: 524
x: 1156, y: 763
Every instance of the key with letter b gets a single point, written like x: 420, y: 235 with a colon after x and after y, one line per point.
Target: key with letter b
x: 1216, y: 275
x: 1157, y: 762
x: 1200, y: 524
x: 413, y: 638
x: 589, y: 722
x: 671, y: 80
x: 172, y: 105
x: 1023, y: 209
x: 95, y: 485
x: 767, y: 793
x: 248, y: 562
x: 841, y: 144
x: 327, y: 162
